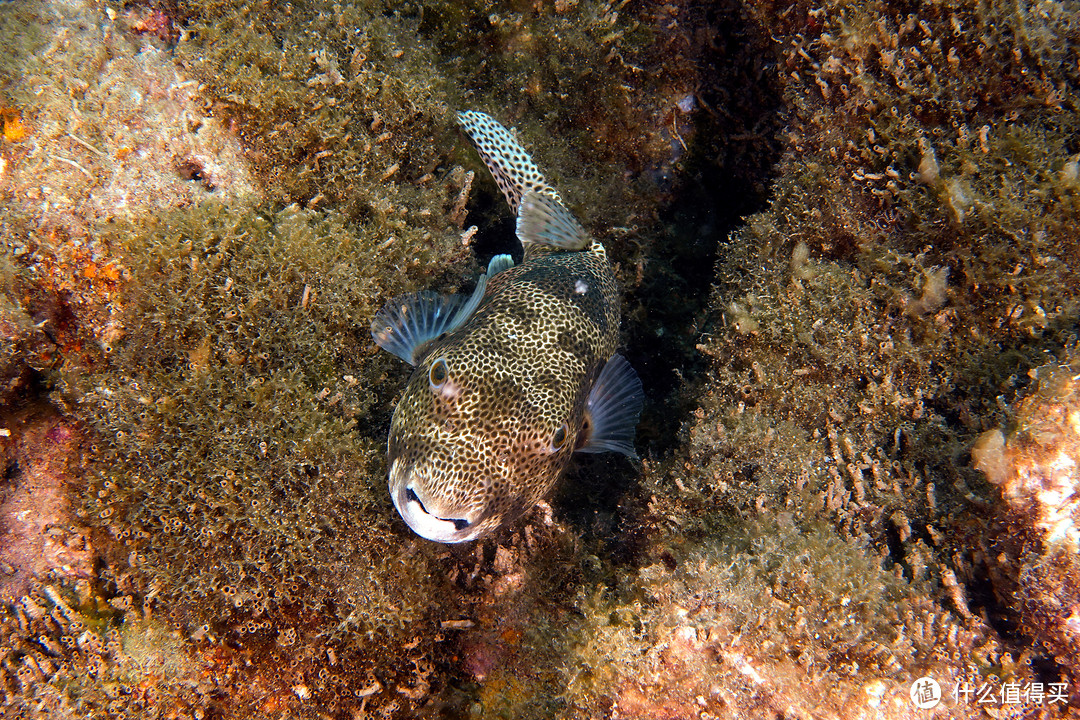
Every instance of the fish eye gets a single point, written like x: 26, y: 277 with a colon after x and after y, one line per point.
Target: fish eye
x: 438, y: 373
x: 559, y: 438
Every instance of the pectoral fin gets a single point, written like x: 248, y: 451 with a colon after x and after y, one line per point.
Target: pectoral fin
x: 612, y: 410
x: 499, y: 263
x: 406, y: 324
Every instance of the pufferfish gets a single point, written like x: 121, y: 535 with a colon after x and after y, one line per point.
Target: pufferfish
x: 514, y: 378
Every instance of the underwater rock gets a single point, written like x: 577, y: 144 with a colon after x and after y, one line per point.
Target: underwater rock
x: 1037, y: 470
x: 39, y: 537
x: 114, y: 127
x: 772, y: 618
x: 239, y: 187
x: 72, y: 650
x: 855, y: 343
x: 111, y: 129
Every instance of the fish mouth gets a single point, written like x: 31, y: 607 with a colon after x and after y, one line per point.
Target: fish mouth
x: 416, y: 510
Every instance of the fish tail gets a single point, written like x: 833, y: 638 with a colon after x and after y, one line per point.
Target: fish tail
x: 542, y: 220
x: 514, y: 171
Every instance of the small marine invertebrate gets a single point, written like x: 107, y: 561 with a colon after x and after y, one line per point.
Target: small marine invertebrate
x: 513, y: 379
x: 15, y: 129
x: 155, y: 20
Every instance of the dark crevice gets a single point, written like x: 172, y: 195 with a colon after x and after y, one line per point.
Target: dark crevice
x: 590, y: 498
x: 1046, y: 669
x: 984, y: 601
x: 896, y: 547
x: 495, y: 226
x: 724, y: 175
x: 721, y: 176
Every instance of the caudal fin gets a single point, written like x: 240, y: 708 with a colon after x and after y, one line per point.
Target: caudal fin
x: 514, y: 171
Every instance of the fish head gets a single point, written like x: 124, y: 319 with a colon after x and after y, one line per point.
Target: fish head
x: 472, y: 446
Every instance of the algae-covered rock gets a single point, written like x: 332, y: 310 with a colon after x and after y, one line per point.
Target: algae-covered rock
x: 767, y: 618
x: 212, y: 349
x: 230, y: 461
x: 209, y: 202
x: 845, y: 233
x: 1035, y: 468
x: 39, y: 536
x: 915, y: 260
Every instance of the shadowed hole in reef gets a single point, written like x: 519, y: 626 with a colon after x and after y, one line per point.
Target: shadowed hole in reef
x: 721, y: 176
x: 496, y: 227
x: 984, y: 601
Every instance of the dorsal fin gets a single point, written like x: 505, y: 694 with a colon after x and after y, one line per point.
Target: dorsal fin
x: 409, y: 322
x: 498, y: 263
x: 612, y: 410
x: 514, y: 171
x: 543, y: 220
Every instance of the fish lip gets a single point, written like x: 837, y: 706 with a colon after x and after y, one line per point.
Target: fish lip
x: 421, y: 522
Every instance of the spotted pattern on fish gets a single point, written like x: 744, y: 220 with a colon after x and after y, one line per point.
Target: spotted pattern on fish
x: 514, y: 171
x: 500, y: 400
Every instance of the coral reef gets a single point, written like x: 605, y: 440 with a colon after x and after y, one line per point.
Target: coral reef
x: 845, y: 234
x: 851, y: 636
x: 915, y: 259
x: 71, y: 651
x: 38, y: 535
x: 233, y: 501
x: 273, y: 528
x: 109, y: 129
x: 1036, y: 471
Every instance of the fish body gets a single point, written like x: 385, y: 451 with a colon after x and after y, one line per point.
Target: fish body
x: 513, y: 379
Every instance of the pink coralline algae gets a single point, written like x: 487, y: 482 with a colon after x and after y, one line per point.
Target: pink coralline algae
x: 37, y: 535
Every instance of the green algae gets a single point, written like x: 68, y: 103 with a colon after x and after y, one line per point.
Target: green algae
x: 229, y: 459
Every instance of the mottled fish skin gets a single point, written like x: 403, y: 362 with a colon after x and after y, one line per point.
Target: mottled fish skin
x: 496, y: 406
